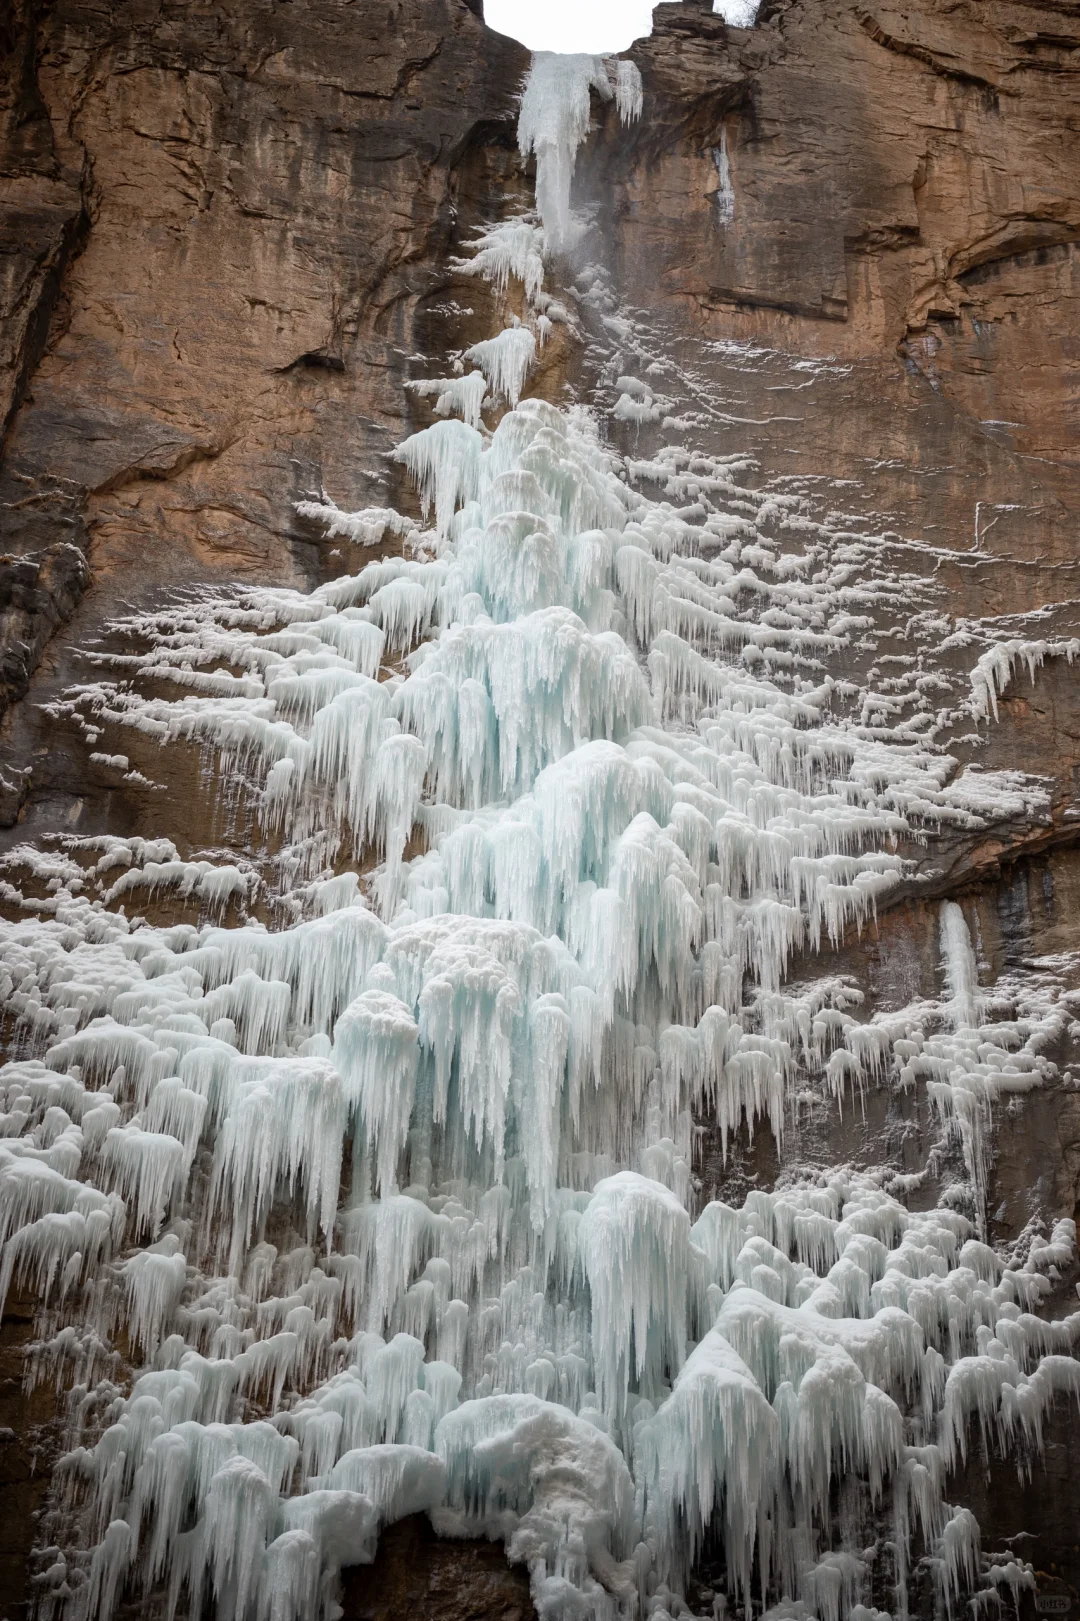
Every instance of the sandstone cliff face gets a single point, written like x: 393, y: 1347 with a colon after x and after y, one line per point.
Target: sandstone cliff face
x: 899, y: 175
x: 265, y: 188
x: 902, y: 197
x: 224, y: 236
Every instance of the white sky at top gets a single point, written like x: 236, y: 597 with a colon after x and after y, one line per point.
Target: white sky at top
x: 594, y: 26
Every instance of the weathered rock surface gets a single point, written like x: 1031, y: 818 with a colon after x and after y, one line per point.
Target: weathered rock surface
x: 38, y: 592
x: 28, y: 1440
x: 268, y: 187
x: 418, y: 1577
x: 42, y: 209
x: 903, y: 179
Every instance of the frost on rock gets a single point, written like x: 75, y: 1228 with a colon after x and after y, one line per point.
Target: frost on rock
x: 388, y: 1209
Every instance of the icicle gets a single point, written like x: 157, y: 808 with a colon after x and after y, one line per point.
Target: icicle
x: 444, y: 461
x: 635, y: 1238
x: 376, y: 1049
x: 554, y: 121
x: 506, y: 360
x: 464, y: 395
x: 961, y: 972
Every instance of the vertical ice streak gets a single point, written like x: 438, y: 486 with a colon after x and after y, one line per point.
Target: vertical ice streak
x: 725, y: 192
x: 961, y: 970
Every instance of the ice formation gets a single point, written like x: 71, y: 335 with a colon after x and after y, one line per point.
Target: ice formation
x: 393, y: 1203
x: 554, y: 121
x: 994, y: 670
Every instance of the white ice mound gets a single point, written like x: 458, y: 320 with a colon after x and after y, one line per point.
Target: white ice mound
x: 554, y: 1486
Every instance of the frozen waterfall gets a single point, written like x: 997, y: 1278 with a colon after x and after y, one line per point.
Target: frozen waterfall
x: 389, y: 1210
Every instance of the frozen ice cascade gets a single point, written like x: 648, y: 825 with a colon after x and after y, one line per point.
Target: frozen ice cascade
x: 389, y: 1209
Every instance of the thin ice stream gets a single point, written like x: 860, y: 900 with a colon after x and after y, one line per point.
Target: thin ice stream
x: 390, y: 1209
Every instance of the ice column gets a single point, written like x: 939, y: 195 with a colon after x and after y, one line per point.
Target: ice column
x: 554, y: 121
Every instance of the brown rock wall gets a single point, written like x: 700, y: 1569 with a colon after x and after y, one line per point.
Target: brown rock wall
x: 269, y: 187
x: 221, y: 227
x: 891, y: 167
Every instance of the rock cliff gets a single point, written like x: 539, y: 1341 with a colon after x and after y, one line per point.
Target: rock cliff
x: 227, y: 238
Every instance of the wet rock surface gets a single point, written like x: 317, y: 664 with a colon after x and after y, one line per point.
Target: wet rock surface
x: 28, y: 1444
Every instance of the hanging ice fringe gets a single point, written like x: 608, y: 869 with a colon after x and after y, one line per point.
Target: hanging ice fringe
x: 609, y: 719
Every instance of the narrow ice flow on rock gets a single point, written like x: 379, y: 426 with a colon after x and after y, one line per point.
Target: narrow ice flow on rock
x: 390, y: 1210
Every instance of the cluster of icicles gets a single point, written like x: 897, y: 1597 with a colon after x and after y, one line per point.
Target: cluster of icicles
x: 387, y: 1211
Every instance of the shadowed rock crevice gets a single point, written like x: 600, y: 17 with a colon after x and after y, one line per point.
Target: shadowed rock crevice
x: 416, y: 1577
